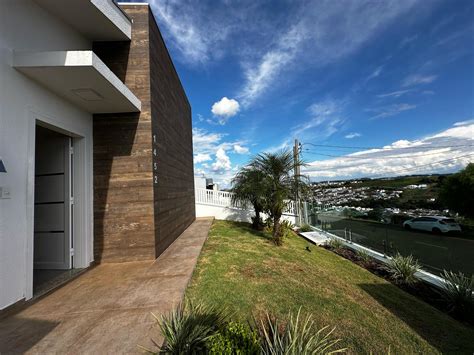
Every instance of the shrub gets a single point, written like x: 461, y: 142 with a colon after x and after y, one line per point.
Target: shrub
x: 188, y: 327
x: 286, y: 227
x: 295, y: 336
x: 458, y: 293
x: 236, y: 339
x: 305, y: 228
x: 402, y: 269
x: 335, y: 243
x: 364, y: 256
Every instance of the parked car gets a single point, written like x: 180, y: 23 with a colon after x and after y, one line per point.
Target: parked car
x: 435, y: 224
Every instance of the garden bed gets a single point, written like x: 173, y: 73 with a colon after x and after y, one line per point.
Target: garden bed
x: 422, y: 290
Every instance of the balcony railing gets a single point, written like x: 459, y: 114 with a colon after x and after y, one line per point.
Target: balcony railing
x: 224, y: 199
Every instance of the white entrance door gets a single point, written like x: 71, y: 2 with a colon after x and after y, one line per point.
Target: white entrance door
x: 52, y: 222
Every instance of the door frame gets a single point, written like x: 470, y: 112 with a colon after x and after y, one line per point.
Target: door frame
x: 82, y: 228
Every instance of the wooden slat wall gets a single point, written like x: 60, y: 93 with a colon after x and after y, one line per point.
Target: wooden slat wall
x: 134, y: 217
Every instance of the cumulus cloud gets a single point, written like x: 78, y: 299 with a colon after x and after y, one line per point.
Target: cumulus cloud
x: 211, y: 155
x: 240, y: 150
x: 352, y: 135
x: 225, y: 108
x: 200, y: 158
x: 222, y: 162
x: 446, y: 151
x: 418, y: 79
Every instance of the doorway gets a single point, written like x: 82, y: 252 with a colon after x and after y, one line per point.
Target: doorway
x: 53, y: 210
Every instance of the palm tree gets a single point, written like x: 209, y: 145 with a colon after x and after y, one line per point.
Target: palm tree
x: 247, y: 187
x: 280, y: 184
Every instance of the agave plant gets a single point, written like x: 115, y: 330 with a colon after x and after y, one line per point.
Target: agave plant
x: 188, y: 327
x: 335, y: 243
x: 296, y: 336
x: 402, y: 269
x: 364, y: 256
x: 458, y: 292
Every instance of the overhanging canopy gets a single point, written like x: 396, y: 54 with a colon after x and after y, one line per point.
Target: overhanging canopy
x: 98, y: 20
x: 80, y: 77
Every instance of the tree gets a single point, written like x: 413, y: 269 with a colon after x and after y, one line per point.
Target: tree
x: 457, y: 191
x: 279, y: 184
x: 248, y: 187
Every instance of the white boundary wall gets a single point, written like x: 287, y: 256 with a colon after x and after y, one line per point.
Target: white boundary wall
x: 218, y: 204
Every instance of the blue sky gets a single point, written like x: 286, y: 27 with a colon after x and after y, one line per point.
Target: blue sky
x: 259, y: 74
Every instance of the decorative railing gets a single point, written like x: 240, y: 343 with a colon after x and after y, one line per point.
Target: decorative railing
x: 224, y: 199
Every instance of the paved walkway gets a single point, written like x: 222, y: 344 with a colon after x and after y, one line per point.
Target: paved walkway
x: 107, y: 309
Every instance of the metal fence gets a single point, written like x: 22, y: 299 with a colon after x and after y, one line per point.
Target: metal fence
x: 435, y: 252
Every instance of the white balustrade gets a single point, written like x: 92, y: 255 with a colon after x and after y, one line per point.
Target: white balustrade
x: 224, y: 199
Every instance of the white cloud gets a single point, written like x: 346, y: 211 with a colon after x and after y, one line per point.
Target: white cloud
x: 222, y: 162
x: 240, y: 150
x: 392, y: 110
x: 197, y: 39
x: 326, y: 119
x: 444, y: 152
x: 200, y: 158
x: 323, y: 33
x: 394, y: 94
x: 375, y: 73
x: 352, y: 135
x: 464, y: 123
x: 213, y: 145
x: 418, y: 79
x: 225, y: 108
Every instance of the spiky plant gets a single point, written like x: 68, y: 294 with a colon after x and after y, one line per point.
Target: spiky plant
x: 458, y: 293
x: 296, y: 336
x: 402, y: 269
x: 364, y: 256
x: 305, y: 228
x: 335, y: 243
x: 188, y: 327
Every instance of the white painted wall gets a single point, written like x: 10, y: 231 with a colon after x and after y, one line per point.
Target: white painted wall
x: 26, y: 26
x: 233, y: 214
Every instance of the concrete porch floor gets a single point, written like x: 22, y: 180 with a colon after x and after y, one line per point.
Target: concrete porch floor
x: 107, y: 309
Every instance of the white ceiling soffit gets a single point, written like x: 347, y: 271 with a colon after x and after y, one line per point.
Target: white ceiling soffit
x: 80, y: 77
x: 98, y: 20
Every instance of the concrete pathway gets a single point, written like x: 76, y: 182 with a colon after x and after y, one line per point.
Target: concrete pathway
x: 107, y: 309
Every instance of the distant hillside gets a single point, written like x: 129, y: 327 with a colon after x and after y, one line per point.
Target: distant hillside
x: 418, y: 191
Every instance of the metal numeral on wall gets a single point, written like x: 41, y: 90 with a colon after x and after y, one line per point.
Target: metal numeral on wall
x: 155, y: 179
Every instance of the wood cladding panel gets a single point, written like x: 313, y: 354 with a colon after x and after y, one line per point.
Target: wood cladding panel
x: 172, y: 130
x: 143, y: 163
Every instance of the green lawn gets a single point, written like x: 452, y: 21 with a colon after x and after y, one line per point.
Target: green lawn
x: 241, y: 269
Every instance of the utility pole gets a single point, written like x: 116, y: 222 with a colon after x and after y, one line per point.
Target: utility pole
x: 296, y: 159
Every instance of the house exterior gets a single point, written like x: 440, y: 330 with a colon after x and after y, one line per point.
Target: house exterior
x: 95, y: 137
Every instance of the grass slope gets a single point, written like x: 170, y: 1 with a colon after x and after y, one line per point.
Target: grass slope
x: 241, y: 269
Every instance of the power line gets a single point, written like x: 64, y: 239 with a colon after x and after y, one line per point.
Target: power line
x: 365, y: 156
x: 387, y: 148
